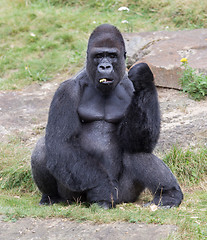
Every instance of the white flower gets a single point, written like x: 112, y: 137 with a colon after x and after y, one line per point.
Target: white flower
x: 32, y: 35
x: 124, y: 21
x: 94, y: 22
x: 123, y: 9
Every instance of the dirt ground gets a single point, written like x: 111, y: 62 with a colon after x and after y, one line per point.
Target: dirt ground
x: 24, y: 113
x: 55, y: 229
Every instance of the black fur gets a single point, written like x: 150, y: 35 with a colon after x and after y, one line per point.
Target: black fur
x: 101, y: 131
x: 140, y: 128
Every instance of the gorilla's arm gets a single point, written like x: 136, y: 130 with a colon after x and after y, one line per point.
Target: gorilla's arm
x: 140, y: 128
x: 66, y: 161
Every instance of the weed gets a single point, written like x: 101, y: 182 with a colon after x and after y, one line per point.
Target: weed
x: 36, y: 76
x: 192, y: 82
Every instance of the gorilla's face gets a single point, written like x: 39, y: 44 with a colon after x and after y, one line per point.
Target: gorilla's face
x: 105, y: 67
x: 106, y: 58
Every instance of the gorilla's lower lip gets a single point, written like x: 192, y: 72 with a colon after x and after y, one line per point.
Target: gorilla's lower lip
x: 106, y: 81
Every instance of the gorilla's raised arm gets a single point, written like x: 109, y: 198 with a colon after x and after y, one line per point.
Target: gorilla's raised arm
x: 67, y: 162
x: 140, y: 128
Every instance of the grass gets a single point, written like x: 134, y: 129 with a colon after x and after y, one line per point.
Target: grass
x: 190, y: 217
x: 15, y: 170
x: 42, y: 38
x: 190, y: 166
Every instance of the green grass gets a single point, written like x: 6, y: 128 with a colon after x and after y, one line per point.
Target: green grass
x: 15, y: 170
x: 41, y: 38
x: 190, y: 166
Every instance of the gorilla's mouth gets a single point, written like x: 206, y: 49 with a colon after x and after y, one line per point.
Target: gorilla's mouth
x: 106, y: 81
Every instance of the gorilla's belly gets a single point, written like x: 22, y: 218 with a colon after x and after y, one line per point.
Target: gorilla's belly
x: 99, y: 137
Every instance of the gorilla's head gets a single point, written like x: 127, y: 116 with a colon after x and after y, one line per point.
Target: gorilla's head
x: 106, y: 57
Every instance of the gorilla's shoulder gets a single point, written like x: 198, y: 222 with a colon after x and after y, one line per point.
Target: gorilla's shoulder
x: 72, y: 86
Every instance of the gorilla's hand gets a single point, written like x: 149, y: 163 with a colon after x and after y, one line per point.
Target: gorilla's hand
x: 141, y: 76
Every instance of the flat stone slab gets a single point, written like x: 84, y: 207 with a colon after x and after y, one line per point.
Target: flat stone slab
x: 63, y: 229
x: 163, y: 51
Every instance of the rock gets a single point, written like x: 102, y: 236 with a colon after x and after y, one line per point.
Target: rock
x: 164, y: 50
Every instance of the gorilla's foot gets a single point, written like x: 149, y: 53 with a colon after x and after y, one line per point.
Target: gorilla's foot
x: 49, y: 200
x: 106, y: 205
x: 168, y: 198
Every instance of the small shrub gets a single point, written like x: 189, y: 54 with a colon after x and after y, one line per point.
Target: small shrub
x: 195, y: 84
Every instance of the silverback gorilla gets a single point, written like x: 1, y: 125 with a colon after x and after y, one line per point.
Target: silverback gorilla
x: 102, y: 128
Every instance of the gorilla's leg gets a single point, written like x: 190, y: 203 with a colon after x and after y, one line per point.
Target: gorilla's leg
x: 44, y: 180
x: 104, y: 194
x: 128, y: 189
x: 54, y: 192
x: 148, y: 171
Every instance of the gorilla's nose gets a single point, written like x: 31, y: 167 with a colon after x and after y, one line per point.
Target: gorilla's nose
x: 105, y: 68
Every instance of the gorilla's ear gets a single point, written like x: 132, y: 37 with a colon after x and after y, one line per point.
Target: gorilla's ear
x: 125, y: 54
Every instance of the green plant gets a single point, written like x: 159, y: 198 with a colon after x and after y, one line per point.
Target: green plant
x: 190, y: 166
x: 36, y: 76
x: 195, y: 84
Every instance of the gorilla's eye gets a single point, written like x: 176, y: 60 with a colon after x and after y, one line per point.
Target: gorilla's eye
x: 112, y: 55
x: 99, y: 55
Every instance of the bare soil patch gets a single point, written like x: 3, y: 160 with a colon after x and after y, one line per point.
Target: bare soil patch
x: 54, y: 229
x: 183, y: 120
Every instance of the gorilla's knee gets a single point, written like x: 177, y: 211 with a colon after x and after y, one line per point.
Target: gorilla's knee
x: 42, y: 177
x: 38, y: 161
x: 38, y: 154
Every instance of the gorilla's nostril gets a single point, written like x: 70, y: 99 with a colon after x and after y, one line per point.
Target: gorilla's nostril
x: 104, y: 68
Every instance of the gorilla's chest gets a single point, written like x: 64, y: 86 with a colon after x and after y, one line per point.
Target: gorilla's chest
x: 111, y: 108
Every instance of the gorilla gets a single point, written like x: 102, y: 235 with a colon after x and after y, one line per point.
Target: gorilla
x: 102, y: 127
